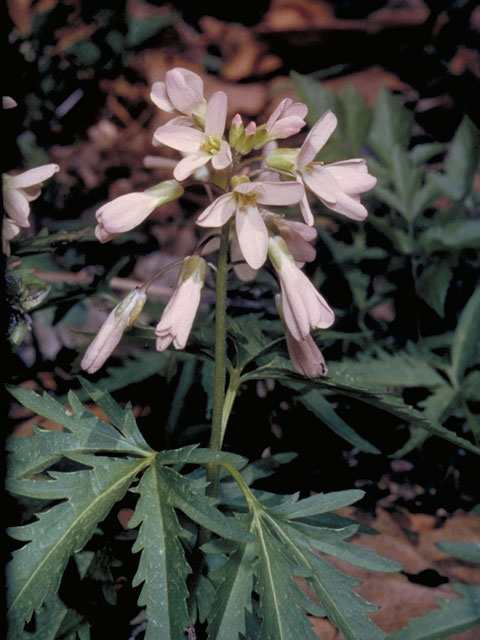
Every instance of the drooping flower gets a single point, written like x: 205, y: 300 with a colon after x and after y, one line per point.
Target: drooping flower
x: 112, y: 330
x: 178, y: 316
x: 306, y: 357
x: 128, y: 211
x: 337, y: 185
x: 181, y: 92
x: 199, y: 147
x: 18, y: 192
x: 303, y: 307
x: 285, y: 121
x: 297, y: 235
x: 243, y: 201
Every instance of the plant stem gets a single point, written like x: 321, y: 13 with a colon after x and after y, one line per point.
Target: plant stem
x: 216, y: 436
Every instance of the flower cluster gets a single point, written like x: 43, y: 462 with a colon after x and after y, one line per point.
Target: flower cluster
x: 252, y: 174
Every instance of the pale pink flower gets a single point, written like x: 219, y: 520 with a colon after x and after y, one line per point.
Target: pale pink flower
x: 112, y: 330
x: 181, y: 92
x: 306, y: 357
x: 199, y: 147
x: 337, y: 185
x: 241, y: 269
x: 177, y: 319
x: 20, y: 190
x: 10, y: 229
x: 128, y: 211
x: 298, y: 236
x: 286, y: 120
x: 303, y: 307
x: 243, y: 201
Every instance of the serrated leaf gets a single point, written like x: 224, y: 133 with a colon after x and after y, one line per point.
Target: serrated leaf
x: 193, y: 454
x: 462, y: 159
x: 48, y: 620
x: 88, y: 495
x: 421, y: 153
x: 162, y: 567
x: 451, y: 236
x: 406, y: 177
x: 357, y: 117
x: 319, y: 503
x: 454, y: 616
x: 433, y: 285
x: 321, y: 408
x: 400, y: 369
x: 280, y: 597
x: 345, y: 609
x: 85, y: 432
x: 377, y: 397
x: 391, y: 126
x: 123, y: 419
x: 188, y: 496
x: 466, y: 337
x: 234, y: 594
x: 469, y: 551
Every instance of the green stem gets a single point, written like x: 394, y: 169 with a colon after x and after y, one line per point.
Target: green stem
x: 216, y: 436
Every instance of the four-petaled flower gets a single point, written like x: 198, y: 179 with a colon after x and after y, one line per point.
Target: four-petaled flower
x: 337, y: 185
x: 243, y: 201
x: 182, y: 92
x: 199, y: 146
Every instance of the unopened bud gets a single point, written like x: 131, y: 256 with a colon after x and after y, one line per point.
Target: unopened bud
x: 245, y: 143
x: 111, y: 331
x: 236, y: 130
x: 282, y: 159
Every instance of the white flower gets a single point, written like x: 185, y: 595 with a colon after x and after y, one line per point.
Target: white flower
x: 178, y: 316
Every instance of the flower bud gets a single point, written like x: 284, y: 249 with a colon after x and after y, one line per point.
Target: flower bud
x: 111, y: 331
x: 306, y: 357
x: 177, y: 319
x: 245, y: 142
x: 236, y: 130
x: 128, y: 211
x: 282, y: 159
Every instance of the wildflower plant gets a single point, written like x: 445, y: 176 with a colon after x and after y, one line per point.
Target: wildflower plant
x: 216, y: 554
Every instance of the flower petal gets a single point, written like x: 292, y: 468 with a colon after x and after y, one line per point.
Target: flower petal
x: 183, y: 139
x: 126, y: 212
x: 160, y: 98
x: 190, y: 164
x: 185, y: 89
x: 217, y: 214
x: 352, y: 175
x: 223, y: 158
x: 350, y: 206
x: 322, y: 183
x: 252, y: 236
x: 319, y: 134
x: 278, y: 193
x: 33, y: 176
x: 306, y: 211
x: 16, y: 206
x: 216, y: 114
